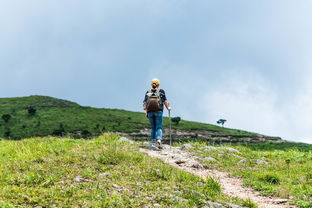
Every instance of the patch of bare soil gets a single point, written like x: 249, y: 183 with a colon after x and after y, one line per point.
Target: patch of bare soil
x: 231, y: 186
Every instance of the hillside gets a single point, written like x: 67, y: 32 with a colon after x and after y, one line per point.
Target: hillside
x: 100, y: 172
x: 109, y: 171
x: 32, y: 116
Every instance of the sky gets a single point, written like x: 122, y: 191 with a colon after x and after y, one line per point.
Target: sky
x: 248, y: 62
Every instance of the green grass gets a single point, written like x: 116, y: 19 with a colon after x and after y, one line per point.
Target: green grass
x: 64, y: 118
x: 99, y: 172
x: 287, y: 174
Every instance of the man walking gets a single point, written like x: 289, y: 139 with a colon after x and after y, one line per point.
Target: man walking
x: 153, y: 104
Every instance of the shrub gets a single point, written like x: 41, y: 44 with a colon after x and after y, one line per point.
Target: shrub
x: 85, y: 133
x: 176, y: 120
x: 271, y: 178
x: 212, y: 186
x: 60, y: 131
x: 249, y: 203
x: 6, y: 117
x: 7, y: 133
x: 31, y: 110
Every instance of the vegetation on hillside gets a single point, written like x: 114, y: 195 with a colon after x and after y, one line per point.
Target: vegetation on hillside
x: 282, y: 170
x: 42, y: 116
x: 100, y: 172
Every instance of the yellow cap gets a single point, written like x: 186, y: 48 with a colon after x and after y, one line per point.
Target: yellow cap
x: 156, y: 81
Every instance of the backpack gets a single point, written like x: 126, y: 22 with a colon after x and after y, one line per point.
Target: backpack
x: 153, y: 101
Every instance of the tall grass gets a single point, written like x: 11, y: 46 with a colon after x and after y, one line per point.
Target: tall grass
x: 100, y: 172
x: 287, y: 173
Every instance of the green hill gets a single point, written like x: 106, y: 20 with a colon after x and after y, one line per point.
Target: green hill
x: 33, y: 116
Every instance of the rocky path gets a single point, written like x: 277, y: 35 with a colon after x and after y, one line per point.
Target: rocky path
x: 231, y: 186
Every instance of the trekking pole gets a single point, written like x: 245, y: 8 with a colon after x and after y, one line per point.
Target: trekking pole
x: 170, y: 128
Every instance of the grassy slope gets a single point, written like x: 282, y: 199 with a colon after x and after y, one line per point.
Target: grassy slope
x: 60, y: 117
x: 100, y: 172
x: 288, y: 174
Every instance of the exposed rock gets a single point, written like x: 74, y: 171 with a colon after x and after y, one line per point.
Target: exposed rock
x: 124, y: 139
x: 61, y: 182
x: 180, y: 162
x: 138, y: 183
x: 116, y: 186
x: 48, y: 160
x: 208, y: 148
x: 234, y: 155
x: 149, y: 198
x: 197, y: 165
x: 199, y: 184
x: 104, y: 175
x: 214, y: 205
x: 261, y: 162
x: 231, y: 149
x: 233, y: 205
x: 186, y: 146
x: 280, y: 201
x: 209, y: 135
x: 156, y: 205
x: 177, y: 198
x: 209, y: 159
x: 79, y: 179
x: 243, y: 161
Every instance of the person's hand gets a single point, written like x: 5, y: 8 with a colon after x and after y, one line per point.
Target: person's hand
x: 146, y: 115
x: 169, y: 108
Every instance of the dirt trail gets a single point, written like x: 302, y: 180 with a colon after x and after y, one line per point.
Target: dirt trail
x: 230, y: 185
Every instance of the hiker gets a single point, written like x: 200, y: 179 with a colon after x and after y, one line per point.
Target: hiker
x: 153, y: 104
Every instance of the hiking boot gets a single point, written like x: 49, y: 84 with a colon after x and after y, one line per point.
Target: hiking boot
x: 153, y: 147
x: 158, y: 143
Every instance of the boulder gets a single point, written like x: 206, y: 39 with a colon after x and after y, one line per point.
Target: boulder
x: 214, y: 205
x: 230, y: 149
x: 243, y: 161
x: 186, y: 146
x: 124, y: 139
x: 208, y: 148
x: 261, y: 162
x: 104, y: 175
x: 209, y: 159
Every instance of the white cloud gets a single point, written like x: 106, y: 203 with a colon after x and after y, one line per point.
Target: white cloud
x: 248, y: 102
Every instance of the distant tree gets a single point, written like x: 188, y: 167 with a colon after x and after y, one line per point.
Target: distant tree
x: 7, y: 133
x: 6, y: 117
x: 176, y: 120
x: 60, y: 131
x: 221, y: 121
x: 85, y: 133
x: 38, y: 124
x: 31, y: 110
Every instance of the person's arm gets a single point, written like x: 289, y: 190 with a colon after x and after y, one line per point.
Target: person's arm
x: 145, y: 105
x: 164, y: 98
x: 145, y: 108
x: 167, y: 105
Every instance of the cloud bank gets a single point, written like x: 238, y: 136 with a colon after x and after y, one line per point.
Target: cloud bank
x: 247, y: 62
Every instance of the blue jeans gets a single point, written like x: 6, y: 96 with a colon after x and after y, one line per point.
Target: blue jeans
x: 155, y: 119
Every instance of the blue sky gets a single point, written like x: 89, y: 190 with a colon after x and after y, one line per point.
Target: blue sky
x: 246, y: 61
